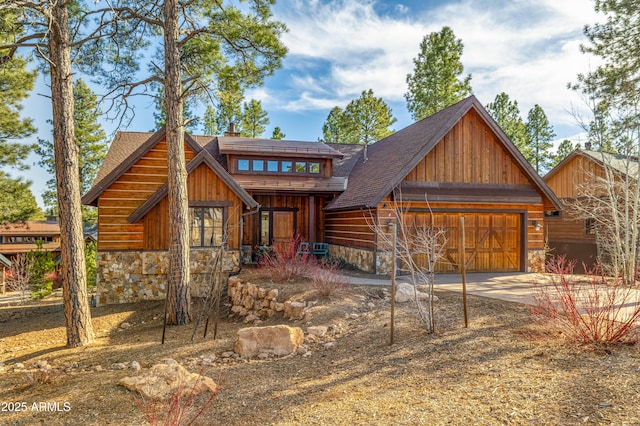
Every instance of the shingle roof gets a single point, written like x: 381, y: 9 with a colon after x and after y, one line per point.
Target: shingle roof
x: 31, y: 228
x: 391, y: 159
x: 352, y: 153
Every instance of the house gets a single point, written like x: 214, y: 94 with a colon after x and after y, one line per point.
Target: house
x: 23, y: 237
x: 581, y: 172
x: 259, y: 192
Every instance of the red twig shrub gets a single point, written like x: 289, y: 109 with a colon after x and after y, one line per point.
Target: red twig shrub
x: 326, y: 280
x: 587, y: 309
x: 284, y: 263
x: 177, y: 410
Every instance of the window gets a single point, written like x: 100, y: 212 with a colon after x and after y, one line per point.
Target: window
x: 550, y: 214
x: 272, y: 166
x: 590, y: 226
x: 243, y: 165
x: 258, y: 165
x: 287, y: 166
x: 301, y: 166
x: 206, y: 226
x: 314, y: 168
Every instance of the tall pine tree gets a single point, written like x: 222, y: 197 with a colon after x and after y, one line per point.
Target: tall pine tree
x: 539, y: 136
x: 507, y: 115
x: 436, y: 81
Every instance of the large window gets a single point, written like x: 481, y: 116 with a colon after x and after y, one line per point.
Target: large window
x: 207, y: 226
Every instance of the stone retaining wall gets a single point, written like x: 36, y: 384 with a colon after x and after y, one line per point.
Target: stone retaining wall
x: 357, y: 257
x: 536, y: 261
x: 131, y: 276
x: 252, y: 302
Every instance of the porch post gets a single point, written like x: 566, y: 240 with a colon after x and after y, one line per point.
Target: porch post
x: 312, y: 218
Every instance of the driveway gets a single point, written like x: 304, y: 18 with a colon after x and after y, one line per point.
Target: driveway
x: 510, y: 286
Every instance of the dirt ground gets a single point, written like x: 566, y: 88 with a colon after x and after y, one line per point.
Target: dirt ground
x: 501, y: 370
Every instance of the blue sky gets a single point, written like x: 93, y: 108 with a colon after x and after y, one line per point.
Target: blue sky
x: 528, y: 49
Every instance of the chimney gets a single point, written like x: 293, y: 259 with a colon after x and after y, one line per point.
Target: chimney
x: 587, y: 146
x: 231, y: 131
x: 52, y: 216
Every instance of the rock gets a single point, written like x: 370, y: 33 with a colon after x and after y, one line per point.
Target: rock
x: 250, y: 317
x: 163, y: 380
x: 119, y: 366
x: 405, y: 293
x: 227, y: 354
x: 293, y: 310
x: 318, y: 330
x: 263, y: 355
x: 18, y: 366
x: 41, y: 363
x: 135, y: 366
x: 302, y: 349
x: 170, y: 361
x: 329, y: 345
x: 277, y: 339
x: 97, y: 368
x: 125, y: 325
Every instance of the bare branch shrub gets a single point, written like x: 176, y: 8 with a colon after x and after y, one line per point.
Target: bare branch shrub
x: 419, y: 247
x: 19, y: 277
x: 180, y: 408
x: 284, y: 263
x: 326, y: 279
x: 42, y: 376
x: 587, y: 309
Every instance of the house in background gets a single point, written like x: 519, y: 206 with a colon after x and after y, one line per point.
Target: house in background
x: 23, y: 237
x: 5, y: 266
x: 246, y: 193
x: 567, y: 233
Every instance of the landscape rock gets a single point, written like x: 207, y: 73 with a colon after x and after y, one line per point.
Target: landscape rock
x: 41, y: 363
x: 119, y: 366
x: 294, y: 310
x: 135, y: 366
x: 405, y: 293
x: 318, y: 330
x: 277, y: 339
x: 125, y: 325
x: 163, y: 380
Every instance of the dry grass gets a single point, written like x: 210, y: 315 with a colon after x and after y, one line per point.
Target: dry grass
x: 502, y: 370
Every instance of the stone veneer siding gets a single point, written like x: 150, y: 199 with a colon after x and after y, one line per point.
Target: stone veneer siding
x: 536, y: 261
x: 130, y: 276
x: 361, y: 259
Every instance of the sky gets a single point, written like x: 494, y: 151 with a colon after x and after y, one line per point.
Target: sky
x: 339, y: 48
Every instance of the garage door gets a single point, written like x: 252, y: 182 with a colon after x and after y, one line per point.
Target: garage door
x: 492, y: 240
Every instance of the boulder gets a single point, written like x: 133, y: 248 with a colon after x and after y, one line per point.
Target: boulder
x: 277, y: 339
x: 294, y: 310
x: 164, y: 380
x: 405, y: 293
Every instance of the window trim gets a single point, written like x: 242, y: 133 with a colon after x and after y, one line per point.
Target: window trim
x: 590, y: 226
x: 305, y: 170
x: 201, y: 205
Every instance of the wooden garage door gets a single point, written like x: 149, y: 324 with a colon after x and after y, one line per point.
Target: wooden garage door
x: 492, y: 240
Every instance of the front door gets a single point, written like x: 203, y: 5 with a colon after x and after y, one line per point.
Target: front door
x: 277, y: 227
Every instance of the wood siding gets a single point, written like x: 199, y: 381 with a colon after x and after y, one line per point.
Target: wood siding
x: 577, y: 174
x: 351, y: 228
x: 567, y: 229
x: 126, y: 194
x: 203, y: 185
x: 469, y: 153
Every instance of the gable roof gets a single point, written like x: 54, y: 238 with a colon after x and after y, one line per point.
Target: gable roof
x: 387, y: 165
x: 204, y: 157
x: 618, y: 162
x: 125, y: 150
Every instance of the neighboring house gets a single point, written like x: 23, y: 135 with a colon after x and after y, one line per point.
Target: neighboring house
x: 23, y: 237
x: 260, y: 192
x: 568, y: 233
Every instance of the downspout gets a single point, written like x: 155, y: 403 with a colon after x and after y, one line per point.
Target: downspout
x: 242, y: 216
x: 375, y: 237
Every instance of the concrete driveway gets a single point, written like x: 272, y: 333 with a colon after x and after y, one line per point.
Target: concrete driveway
x: 510, y: 286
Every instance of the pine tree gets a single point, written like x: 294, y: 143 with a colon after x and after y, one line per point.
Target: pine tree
x: 435, y: 83
x: 507, y: 115
x: 564, y: 149
x: 277, y: 134
x: 539, y: 136
x: 254, y: 119
x: 364, y: 120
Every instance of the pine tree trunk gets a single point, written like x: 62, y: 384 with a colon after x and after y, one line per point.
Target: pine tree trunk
x: 179, y: 296
x: 74, y: 279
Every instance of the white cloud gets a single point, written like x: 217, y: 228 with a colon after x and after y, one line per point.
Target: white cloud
x: 524, y: 48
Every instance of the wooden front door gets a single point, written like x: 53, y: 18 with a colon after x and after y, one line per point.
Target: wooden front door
x: 277, y: 227
x: 493, y: 241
